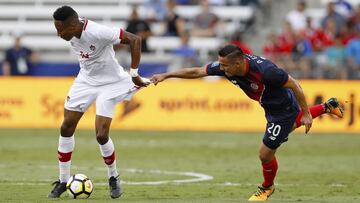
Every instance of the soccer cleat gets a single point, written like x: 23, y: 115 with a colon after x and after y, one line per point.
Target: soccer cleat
x: 262, y: 194
x: 332, y: 106
x: 115, y: 189
x: 58, y: 189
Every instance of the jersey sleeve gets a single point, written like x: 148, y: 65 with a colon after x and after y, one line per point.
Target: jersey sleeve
x: 111, y: 35
x: 275, y: 77
x: 214, y: 69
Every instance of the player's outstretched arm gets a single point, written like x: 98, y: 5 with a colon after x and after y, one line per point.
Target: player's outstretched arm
x: 186, y: 73
x: 134, y: 42
x: 306, y: 118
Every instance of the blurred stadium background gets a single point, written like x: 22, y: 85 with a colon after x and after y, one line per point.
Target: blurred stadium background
x: 205, y: 126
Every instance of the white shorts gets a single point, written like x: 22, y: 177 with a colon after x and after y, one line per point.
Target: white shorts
x: 82, y: 95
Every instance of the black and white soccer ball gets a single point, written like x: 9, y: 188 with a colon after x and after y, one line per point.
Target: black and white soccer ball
x: 79, y: 186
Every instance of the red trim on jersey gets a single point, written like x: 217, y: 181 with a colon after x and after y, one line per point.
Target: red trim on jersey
x: 85, y: 24
x: 121, y: 33
x: 246, y: 67
x: 207, y: 69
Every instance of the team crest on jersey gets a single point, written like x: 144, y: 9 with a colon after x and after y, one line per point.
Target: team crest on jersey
x: 254, y: 86
x: 84, y: 55
x: 92, y: 47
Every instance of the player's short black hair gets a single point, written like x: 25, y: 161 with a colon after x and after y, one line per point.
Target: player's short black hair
x: 231, y: 52
x: 64, y: 12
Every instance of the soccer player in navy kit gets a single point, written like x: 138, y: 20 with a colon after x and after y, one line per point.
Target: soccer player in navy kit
x: 277, y: 92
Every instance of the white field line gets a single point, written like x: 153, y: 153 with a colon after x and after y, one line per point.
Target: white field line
x: 195, y: 177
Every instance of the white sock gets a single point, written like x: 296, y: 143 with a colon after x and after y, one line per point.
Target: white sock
x: 112, y: 170
x: 65, y: 149
x: 108, y: 152
x: 64, y: 168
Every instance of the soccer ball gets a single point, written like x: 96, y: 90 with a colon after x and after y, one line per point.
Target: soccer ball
x: 79, y: 186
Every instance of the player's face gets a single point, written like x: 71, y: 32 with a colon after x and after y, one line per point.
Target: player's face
x: 64, y: 30
x: 231, y: 68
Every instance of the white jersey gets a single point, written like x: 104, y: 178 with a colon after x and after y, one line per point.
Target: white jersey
x: 98, y: 65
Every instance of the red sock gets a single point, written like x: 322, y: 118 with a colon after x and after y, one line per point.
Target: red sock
x: 269, y: 172
x: 315, y: 111
x: 64, y: 157
x: 110, y: 159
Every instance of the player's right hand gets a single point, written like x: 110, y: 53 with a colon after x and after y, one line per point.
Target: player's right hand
x: 140, y: 82
x: 306, y: 120
x: 157, y: 78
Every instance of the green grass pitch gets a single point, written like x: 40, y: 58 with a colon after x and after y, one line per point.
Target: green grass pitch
x: 312, y: 168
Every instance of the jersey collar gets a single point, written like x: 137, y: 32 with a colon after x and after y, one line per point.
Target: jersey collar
x: 85, y: 23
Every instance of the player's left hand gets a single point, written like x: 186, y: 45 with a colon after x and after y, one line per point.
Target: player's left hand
x: 140, y: 82
x: 157, y: 78
x: 306, y: 120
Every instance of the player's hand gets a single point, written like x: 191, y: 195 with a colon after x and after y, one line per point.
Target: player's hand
x: 157, y: 78
x: 306, y: 120
x: 138, y: 81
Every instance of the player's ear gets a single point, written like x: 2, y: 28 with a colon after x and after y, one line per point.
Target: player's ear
x: 239, y: 62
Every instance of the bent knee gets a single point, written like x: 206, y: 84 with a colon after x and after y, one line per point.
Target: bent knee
x: 266, y: 158
x: 67, y: 128
x: 102, y: 138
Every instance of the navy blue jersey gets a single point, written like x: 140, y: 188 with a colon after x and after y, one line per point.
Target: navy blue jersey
x: 262, y: 82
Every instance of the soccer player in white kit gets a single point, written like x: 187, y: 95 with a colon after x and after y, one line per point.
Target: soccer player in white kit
x: 102, y: 80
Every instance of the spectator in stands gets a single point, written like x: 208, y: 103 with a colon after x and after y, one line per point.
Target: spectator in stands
x: 276, y: 46
x: 272, y: 47
x: 302, y: 46
x: 310, y: 31
x: 297, y: 17
x: 346, y: 34
x: 355, y: 18
x: 352, y: 54
x: 205, y: 23
x: 330, y: 31
x: 174, y: 23
x: 279, y: 52
x: 237, y: 41
x: 335, y: 16
x: 343, y: 7
x: 187, y: 54
x: 302, y: 55
x: 314, y: 35
x: 287, y: 37
x: 18, y: 59
x: 139, y: 27
x: 335, y: 58
x: 321, y: 38
x: 155, y: 10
